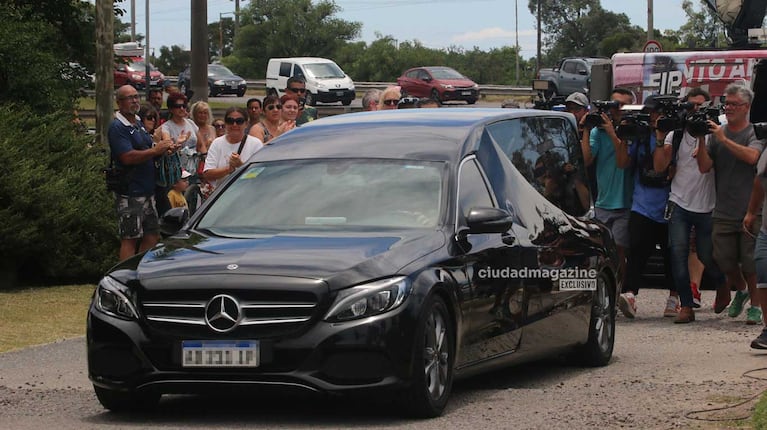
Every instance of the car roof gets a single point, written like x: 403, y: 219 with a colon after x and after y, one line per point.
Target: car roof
x: 414, y: 134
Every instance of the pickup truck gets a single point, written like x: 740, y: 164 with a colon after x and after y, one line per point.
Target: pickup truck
x: 570, y: 75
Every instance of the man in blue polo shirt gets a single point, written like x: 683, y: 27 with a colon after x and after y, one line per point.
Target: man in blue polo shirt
x: 133, y: 153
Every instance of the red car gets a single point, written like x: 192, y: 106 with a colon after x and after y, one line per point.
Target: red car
x: 133, y: 72
x: 440, y: 83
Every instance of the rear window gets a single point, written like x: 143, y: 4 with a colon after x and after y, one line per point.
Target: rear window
x: 285, y: 69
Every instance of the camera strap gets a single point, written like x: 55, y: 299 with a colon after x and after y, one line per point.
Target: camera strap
x: 676, y: 142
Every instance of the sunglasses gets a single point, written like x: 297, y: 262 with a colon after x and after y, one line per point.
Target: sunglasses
x: 178, y: 106
x: 238, y: 121
x: 391, y: 102
x: 150, y: 118
x: 297, y: 90
x: 219, y: 125
x: 273, y: 107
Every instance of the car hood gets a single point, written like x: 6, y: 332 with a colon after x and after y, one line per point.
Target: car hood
x: 224, y: 77
x: 457, y: 82
x: 340, y: 260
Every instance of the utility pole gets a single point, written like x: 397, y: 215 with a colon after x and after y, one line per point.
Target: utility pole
x: 148, y: 71
x: 516, y: 31
x: 650, y: 35
x: 104, y: 68
x: 199, y: 67
x: 538, y: 55
x: 236, y: 17
x: 132, y: 20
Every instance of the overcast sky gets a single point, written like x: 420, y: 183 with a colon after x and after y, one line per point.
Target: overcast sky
x: 435, y: 23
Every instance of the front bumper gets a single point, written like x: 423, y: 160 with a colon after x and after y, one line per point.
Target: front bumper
x: 460, y: 94
x: 332, y: 96
x: 371, y: 353
x: 229, y: 88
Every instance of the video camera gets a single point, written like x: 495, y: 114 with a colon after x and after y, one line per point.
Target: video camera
x: 549, y: 104
x: 672, y: 112
x: 594, y: 119
x: 697, y: 122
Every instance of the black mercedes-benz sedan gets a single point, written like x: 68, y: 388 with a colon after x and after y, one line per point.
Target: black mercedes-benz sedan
x: 389, y: 252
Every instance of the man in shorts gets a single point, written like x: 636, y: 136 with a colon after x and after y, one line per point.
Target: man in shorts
x: 133, y: 153
x: 733, y: 153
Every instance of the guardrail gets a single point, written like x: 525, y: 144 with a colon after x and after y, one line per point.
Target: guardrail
x: 484, y: 90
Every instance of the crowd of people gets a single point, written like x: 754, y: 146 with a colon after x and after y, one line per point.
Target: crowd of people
x: 695, y: 191
x: 698, y: 196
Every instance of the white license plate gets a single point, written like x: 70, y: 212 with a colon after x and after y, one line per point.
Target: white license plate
x: 220, y: 353
x: 466, y: 93
x: 152, y: 82
x: 234, y: 86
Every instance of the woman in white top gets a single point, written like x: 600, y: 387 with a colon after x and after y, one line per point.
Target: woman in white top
x: 222, y: 157
x: 181, y: 130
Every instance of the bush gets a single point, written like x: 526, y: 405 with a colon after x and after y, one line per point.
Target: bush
x: 58, y: 222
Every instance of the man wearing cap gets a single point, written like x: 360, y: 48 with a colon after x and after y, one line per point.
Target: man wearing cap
x: 648, y: 227
x: 578, y: 105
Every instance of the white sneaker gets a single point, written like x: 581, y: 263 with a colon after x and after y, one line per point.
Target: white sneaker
x: 627, y: 304
x: 672, y: 307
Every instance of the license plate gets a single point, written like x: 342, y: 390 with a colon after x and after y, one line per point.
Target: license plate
x: 234, y: 86
x: 466, y: 93
x: 153, y: 82
x: 220, y: 353
x: 340, y: 93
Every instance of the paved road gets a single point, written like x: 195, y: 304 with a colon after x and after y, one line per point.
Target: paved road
x: 660, y: 375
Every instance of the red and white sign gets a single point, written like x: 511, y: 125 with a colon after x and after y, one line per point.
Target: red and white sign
x: 652, y: 46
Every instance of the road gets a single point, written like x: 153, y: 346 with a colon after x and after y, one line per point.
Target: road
x: 660, y: 375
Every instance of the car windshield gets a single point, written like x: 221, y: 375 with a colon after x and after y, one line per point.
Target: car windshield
x: 324, y: 70
x: 217, y: 69
x: 445, y: 73
x: 140, y: 66
x: 328, y: 194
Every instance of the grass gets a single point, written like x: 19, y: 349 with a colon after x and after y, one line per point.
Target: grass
x: 759, y: 418
x: 41, y: 315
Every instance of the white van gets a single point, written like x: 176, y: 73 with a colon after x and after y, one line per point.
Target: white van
x: 325, y: 81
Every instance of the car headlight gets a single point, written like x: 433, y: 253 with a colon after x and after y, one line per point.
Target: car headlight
x: 243, y: 82
x: 112, y: 299
x: 219, y: 82
x: 137, y: 77
x: 475, y: 86
x: 448, y: 86
x: 369, y: 299
x: 321, y: 85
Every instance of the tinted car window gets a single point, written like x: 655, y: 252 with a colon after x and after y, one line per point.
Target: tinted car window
x: 472, y: 190
x: 285, y: 69
x: 569, y: 67
x: 545, y: 151
x: 349, y: 194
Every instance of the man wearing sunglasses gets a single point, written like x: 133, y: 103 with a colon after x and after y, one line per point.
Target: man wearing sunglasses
x: 297, y: 86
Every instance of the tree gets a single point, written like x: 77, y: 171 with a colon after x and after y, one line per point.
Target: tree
x: 173, y: 60
x: 287, y: 28
x: 703, y: 29
x: 221, y: 36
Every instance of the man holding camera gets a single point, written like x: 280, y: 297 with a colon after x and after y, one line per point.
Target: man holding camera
x: 690, y: 203
x: 602, y: 146
x: 733, y: 153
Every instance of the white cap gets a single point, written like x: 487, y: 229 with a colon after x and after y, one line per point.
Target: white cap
x: 185, y: 174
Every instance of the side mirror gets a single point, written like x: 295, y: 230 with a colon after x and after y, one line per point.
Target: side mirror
x: 426, y: 79
x: 488, y: 220
x: 583, y: 72
x: 172, y: 221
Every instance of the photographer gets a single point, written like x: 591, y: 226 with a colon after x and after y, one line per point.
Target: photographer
x: 647, y: 225
x: 733, y: 153
x: 602, y: 146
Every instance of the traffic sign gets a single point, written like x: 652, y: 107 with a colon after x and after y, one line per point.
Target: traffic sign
x: 652, y: 46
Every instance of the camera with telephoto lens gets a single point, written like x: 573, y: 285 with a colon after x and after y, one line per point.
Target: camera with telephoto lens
x: 760, y: 130
x: 697, y: 122
x: 672, y: 112
x: 548, y: 104
x: 594, y: 119
x: 634, y: 124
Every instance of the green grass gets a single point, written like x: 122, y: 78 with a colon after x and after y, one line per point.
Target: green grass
x: 759, y: 419
x: 41, y: 315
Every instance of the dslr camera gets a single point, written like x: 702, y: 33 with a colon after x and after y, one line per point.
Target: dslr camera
x: 594, y: 119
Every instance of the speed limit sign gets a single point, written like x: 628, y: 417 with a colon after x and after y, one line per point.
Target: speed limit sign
x: 652, y: 46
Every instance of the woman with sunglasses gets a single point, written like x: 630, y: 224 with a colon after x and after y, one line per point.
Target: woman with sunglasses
x: 148, y: 115
x: 223, y: 157
x: 219, y: 127
x: 389, y: 98
x: 271, y: 125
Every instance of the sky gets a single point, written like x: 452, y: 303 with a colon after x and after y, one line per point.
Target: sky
x: 485, y: 24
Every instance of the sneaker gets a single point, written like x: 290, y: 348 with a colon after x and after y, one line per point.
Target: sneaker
x: 695, y: 295
x: 672, y: 307
x: 627, y: 304
x: 686, y: 315
x: 722, y: 299
x: 753, y: 315
x: 761, y: 341
x: 736, y: 305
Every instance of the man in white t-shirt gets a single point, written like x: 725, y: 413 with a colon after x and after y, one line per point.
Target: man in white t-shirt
x: 691, y: 202
x: 223, y: 157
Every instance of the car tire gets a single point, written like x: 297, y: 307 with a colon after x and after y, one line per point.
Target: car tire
x: 551, y: 92
x: 471, y: 101
x: 240, y: 93
x: 346, y: 102
x: 211, y: 93
x: 126, y: 401
x: 433, y: 361
x: 435, y: 96
x: 598, y: 350
x: 310, y: 99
